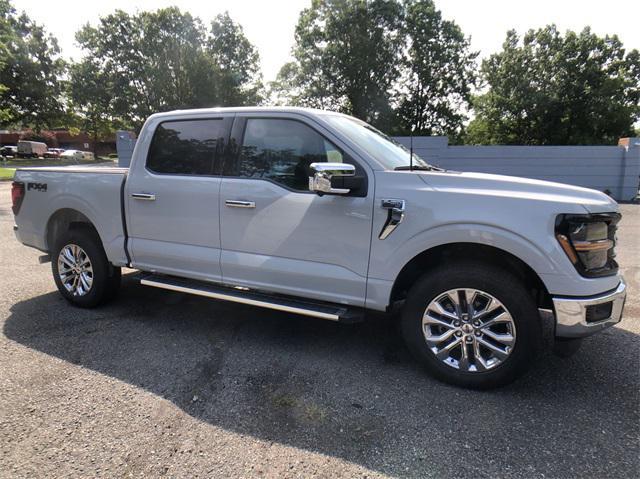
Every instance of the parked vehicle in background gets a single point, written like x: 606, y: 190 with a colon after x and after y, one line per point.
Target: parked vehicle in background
x: 9, y: 150
x: 31, y: 149
x: 54, y: 152
x: 71, y: 155
x: 77, y: 155
x: 320, y: 214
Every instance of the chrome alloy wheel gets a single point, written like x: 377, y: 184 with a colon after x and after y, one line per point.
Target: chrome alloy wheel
x: 469, y: 330
x: 75, y: 270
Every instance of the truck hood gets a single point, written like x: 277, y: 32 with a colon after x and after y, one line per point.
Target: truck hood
x: 515, y: 187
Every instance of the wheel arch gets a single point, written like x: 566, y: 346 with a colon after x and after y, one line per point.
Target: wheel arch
x: 65, y: 219
x: 439, y: 255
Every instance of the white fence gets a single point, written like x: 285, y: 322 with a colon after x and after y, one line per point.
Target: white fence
x: 613, y: 169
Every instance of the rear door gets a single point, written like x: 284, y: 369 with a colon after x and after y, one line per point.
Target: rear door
x: 276, y: 234
x: 172, y: 196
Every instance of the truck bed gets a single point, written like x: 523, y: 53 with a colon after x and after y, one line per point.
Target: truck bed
x: 77, y: 169
x: 96, y: 192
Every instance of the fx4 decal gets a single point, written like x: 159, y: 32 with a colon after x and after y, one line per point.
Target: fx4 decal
x: 37, y: 186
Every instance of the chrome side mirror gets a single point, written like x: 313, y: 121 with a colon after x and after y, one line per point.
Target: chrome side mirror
x: 327, y: 175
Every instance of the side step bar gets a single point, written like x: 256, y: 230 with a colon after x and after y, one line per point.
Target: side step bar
x: 281, y: 303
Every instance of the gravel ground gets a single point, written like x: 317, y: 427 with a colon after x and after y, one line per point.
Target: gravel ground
x: 163, y: 384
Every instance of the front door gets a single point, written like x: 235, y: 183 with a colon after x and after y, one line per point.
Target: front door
x: 172, y: 199
x: 277, y: 235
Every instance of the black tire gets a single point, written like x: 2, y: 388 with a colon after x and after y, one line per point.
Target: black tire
x: 503, y: 286
x: 106, y: 277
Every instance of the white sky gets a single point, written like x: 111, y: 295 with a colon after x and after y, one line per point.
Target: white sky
x: 270, y: 24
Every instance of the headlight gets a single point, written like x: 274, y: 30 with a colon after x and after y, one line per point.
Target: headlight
x: 589, y: 241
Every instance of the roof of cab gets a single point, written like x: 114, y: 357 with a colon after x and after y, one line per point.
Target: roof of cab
x: 244, y: 109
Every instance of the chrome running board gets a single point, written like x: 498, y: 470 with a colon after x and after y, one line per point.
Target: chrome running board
x: 253, y: 298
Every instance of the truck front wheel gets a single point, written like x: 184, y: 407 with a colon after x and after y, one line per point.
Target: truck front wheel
x: 81, y: 269
x: 471, y: 324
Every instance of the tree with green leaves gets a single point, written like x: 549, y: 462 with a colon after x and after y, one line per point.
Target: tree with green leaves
x: 148, y: 62
x: 163, y: 60
x: 395, y: 64
x: 240, y: 81
x: 92, y: 101
x: 7, y: 35
x: 438, y: 73
x: 552, y: 89
x: 346, y: 54
x: 30, y: 70
x: 286, y: 89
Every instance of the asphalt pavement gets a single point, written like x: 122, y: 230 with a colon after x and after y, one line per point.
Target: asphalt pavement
x: 169, y: 385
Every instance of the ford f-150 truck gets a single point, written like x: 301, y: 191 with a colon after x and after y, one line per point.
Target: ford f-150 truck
x: 320, y: 214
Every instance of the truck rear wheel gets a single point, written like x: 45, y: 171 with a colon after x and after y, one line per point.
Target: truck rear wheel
x: 471, y: 324
x: 81, y: 269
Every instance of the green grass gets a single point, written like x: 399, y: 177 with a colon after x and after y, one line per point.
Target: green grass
x: 7, y: 173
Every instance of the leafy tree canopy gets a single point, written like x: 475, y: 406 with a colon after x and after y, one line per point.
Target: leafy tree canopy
x: 438, y: 75
x: 346, y: 56
x: 92, y: 101
x: 238, y: 60
x: 395, y: 64
x: 30, y: 72
x: 552, y: 89
x: 166, y: 59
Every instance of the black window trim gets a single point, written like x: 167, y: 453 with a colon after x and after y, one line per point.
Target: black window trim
x: 228, y: 119
x: 234, y: 157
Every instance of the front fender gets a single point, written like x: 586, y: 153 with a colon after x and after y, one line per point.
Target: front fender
x: 390, y: 259
x: 545, y: 258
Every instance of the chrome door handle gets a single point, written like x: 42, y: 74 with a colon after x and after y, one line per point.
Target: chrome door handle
x: 240, y: 204
x: 143, y: 196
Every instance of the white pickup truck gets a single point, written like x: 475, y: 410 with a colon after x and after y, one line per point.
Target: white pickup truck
x: 319, y: 214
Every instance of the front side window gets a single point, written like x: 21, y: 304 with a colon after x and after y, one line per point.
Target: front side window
x: 186, y: 147
x: 282, y: 150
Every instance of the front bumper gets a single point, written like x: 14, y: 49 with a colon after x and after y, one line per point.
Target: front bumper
x: 571, y: 313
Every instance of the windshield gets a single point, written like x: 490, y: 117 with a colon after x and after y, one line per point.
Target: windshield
x: 386, y: 150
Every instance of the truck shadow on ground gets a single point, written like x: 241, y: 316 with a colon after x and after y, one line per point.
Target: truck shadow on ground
x: 348, y: 391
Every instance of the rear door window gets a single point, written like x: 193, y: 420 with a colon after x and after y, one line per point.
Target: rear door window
x: 188, y: 147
